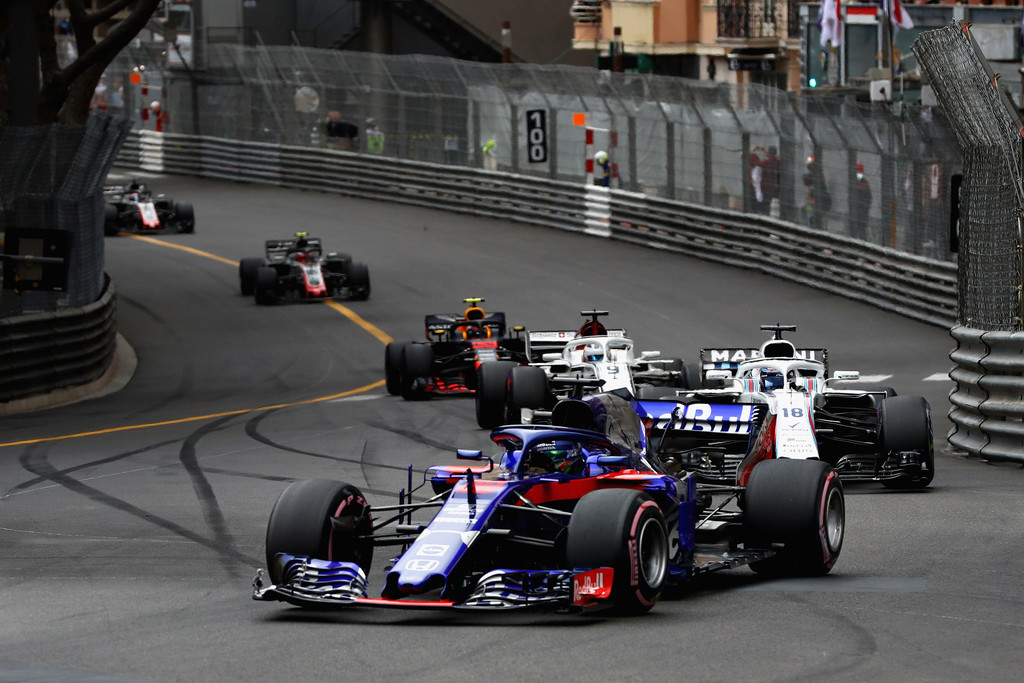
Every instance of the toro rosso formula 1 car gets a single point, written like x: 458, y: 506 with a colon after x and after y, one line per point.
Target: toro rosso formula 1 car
x: 464, y: 354
x: 576, y: 515
x: 781, y: 400
x: 133, y: 208
x: 297, y: 269
x: 571, y: 363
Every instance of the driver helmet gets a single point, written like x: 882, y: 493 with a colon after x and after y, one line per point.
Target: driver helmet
x: 593, y: 353
x: 557, y: 456
x: 772, y: 379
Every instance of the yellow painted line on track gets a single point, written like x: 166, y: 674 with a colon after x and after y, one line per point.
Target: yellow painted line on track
x: 367, y: 326
x: 197, y: 418
x: 171, y: 245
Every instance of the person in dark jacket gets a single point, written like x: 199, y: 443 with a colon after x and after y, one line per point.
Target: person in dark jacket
x: 860, y: 206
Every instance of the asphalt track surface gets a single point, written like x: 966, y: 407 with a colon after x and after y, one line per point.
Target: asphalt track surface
x: 131, y: 524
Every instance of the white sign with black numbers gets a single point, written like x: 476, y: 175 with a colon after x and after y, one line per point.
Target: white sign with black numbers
x: 537, y: 135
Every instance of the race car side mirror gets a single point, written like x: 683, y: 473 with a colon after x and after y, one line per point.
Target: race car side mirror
x: 846, y: 374
x: 650, y: 354
x: 550, y: 357
x: 474, y: 454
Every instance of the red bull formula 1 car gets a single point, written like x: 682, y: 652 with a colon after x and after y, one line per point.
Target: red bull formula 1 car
x: 133, y: 208
x: 297, y: 269
x: 467, y: 354
x: 575, y: 515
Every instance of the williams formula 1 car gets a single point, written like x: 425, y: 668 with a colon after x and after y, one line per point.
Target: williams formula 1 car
x: 571, y: 363
x: 297, y: 269
x: 133, y: 208
x: 576, y: 515
x: 781, y: 400
x: 464, y: 354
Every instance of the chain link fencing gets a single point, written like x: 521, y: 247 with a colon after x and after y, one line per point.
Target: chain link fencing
x: 988, y: 131
x: 51, y: 177
x: 669, y: 137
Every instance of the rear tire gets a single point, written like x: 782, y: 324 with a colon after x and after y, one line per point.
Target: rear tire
x: 417, y: 360
x: 393, y: 367
x: 906, y: 423
x: 185, y: 217
x: 358, y: 281
x: 527, y: 388
x: 492, y: 392
x: 300, y: 524
x: 798, y: 505
x: 247, y: 268
x: 266, y: 286
x: 623, y: 529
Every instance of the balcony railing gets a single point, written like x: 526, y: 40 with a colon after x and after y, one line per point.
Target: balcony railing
x: 752, y: 19
x: 586, y: 11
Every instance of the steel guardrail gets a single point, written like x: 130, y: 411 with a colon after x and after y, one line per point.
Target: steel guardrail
x: 44, y: 352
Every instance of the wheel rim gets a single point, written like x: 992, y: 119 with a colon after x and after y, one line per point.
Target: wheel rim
x: 835, y: 520
x: 652, y: 547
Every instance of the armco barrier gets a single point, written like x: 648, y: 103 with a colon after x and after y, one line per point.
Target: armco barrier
x: 919, y: 288
x: 43, y: 352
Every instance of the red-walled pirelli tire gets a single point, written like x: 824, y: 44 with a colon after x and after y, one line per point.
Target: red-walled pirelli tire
x: 623, y: 529
x: 796, y: 507
x: 492, y: 393
x: 247, y: 268
x: 417, y: 361
x: 300, y: 524
x: 393, y: 367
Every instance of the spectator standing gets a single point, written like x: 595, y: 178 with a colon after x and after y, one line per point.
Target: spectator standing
x: 374, y: 137
x: 771, y: 181
x: 819, y: 201
x: 861, y: 206
x: 756, y: 177
x: 490, y: 155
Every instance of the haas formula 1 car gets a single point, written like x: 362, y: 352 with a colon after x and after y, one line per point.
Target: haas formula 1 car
x: 464, y: 354
x: 571, y: 363
x: 576, y: 515
x: 780, y: 400
x: 133, y: 208
x: 297, y: 269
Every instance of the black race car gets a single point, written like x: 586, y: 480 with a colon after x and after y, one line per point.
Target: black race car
x: 134, y: 208
x: 297, y: 269
x: 466, y: 354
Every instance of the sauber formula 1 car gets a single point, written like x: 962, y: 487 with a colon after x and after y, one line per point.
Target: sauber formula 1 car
x: 297, y: 269
x: 571, y: 363
x: 781, y: 400
x: 134, y: 208
x: 464, y: 354
x: 576, y: 515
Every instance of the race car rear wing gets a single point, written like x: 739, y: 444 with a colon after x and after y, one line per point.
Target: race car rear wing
x: 441, y: 324
x: 540, y: 342
x: 729, y: 358
x: 277, y: 250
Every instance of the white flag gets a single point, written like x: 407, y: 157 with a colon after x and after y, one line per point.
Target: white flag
x: 899, y: 17
x: 829, y: 22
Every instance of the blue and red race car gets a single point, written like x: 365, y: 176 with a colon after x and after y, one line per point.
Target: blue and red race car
x: 467, y: 354
x: 575, y: 515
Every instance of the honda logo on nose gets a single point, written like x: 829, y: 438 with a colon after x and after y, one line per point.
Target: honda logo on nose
x: 421, y: 565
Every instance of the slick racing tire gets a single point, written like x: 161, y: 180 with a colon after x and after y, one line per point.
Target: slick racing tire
x: 247, y: 268
x: 906, y: 425
x: 266, y: 284
x: 798, y: 505
x: 691, y: 376
x: 527, y: 388
x: 623, y: 529
x: 110, y: 227
x: 300, y: 524
x: 185, y: 217
x: 358, y: 281
x: 491, y: 392
x: 393, y: 367
x: 417, y: 361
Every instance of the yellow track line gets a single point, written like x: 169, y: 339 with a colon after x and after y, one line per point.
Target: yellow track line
x: 367, y: 326
x: 197, y: 418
